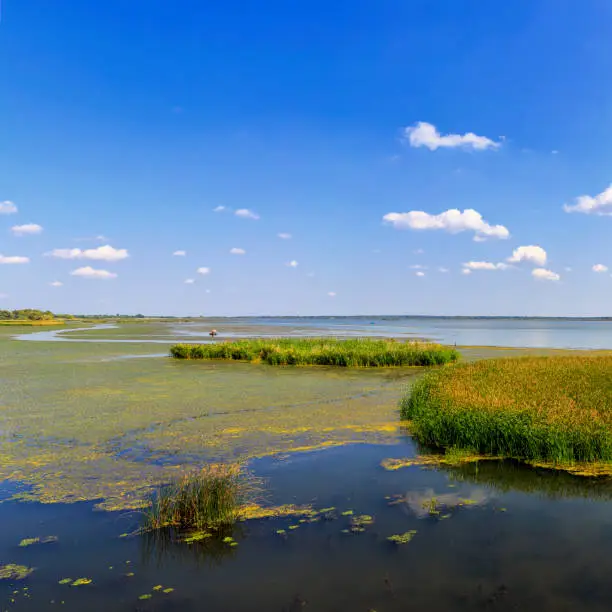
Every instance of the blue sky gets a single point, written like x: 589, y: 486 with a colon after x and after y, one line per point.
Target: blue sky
x: 125, y: 124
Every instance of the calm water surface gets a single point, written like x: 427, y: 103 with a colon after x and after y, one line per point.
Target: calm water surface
x: 527, y: 540
x: 529, y: 333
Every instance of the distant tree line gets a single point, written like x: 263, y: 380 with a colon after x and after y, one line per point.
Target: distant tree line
x: 28, y: 314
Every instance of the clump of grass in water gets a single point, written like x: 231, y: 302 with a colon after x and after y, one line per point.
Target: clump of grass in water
x: 551, y: 409
x: 360, y: 352
x: 207, y: 499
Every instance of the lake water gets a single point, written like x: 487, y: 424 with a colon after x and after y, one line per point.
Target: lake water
x: 80, y: 419
x: 499, y: 332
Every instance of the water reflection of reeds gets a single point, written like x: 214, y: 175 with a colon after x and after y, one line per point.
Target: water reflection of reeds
x: 161, y: 545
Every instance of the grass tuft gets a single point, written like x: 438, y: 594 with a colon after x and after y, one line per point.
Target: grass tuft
x: 360, y: 352
x: 556, y: 409
x: 207, y: 499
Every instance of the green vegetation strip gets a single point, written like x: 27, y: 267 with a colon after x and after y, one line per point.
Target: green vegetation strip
x: 362, y: 352
x: 556, y: 409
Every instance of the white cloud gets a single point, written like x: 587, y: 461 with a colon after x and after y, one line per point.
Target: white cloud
x: 420, y: 273
x: 466, y: 271
x: 532, y: 253
x: 219, y: 209
x: 418, y: 251
x: 484, y: 265
x: 179, y: 253
x: 292, y: 264
x: 245, y: 213
x: 203, y: 270
x: 56, y: 284
x: 443, y: 270
x: 28, y: 228
x: 601, y: 204
x: 14, y: 259
x: 236, y: 251
x: 418, y: 267
x: 600, y: 268
x: 7, y: 208
x: 102, y: 253
x: 284, y: 236
x: 331, y: 293
x: 453, y: 221
x: 543, y: 274
x: 423, y: 134
x: 189, y: 281
x: 89, y: 272
x: 99, y: 238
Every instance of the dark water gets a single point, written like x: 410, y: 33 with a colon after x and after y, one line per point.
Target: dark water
x: 527, y: 540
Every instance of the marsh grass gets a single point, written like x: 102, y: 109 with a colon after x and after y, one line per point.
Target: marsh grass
x: 554, y: 409
x: 360, y: 352
x: 210, y: 498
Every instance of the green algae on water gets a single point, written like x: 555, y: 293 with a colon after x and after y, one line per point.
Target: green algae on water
x: 402, y: 538
x: 12, y: 571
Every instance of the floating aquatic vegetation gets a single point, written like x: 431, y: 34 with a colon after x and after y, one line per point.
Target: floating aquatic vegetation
x: 229, y: 540
x: 168, y: 590
x: 38, y: 540
x: 347, y: 513
x: 65, y: 581
x: 197, y: 536
x: 12, y: 571
x: 402, y: 538
x: 360, y: 522
x: 82, y: 581
x: 158, y: 587
x: 145, y: 596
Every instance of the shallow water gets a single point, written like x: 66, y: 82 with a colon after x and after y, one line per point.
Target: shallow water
x: 507, y: 549
x: 528, y: 333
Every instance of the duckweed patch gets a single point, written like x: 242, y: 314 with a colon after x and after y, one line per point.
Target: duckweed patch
x: 402, y: 538
x: 12, y: 571
x: 38, y: 540
x: 360, y: 352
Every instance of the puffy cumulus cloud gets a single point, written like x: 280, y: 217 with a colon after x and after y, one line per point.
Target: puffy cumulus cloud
x: 601, y: 204
x: 245, y: 213
x: 56, y: 284
x: 102, y: 253
x: 423, y: 134
x: 13, y: 259
x: 28, y: 228
x: 331, y: 293
x: 284, y: 236
x: 600, y: 268
x: 419, y: 273
x: 236, y: 251
x: 544, y: 274
x: 189, y: 281
x: 7, y: 208
x: 219, y: 209
x: 532, y: 253
x: 484, y: 265
x: 452, y: 221
x: 179, y: 253
x: 203, y: 270
x: 292, y: 264
x: 89, y: 272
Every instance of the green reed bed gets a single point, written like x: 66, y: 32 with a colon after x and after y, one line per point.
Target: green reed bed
x: 208, y: 498
x: 361, y: 352
x: 555, y: 409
